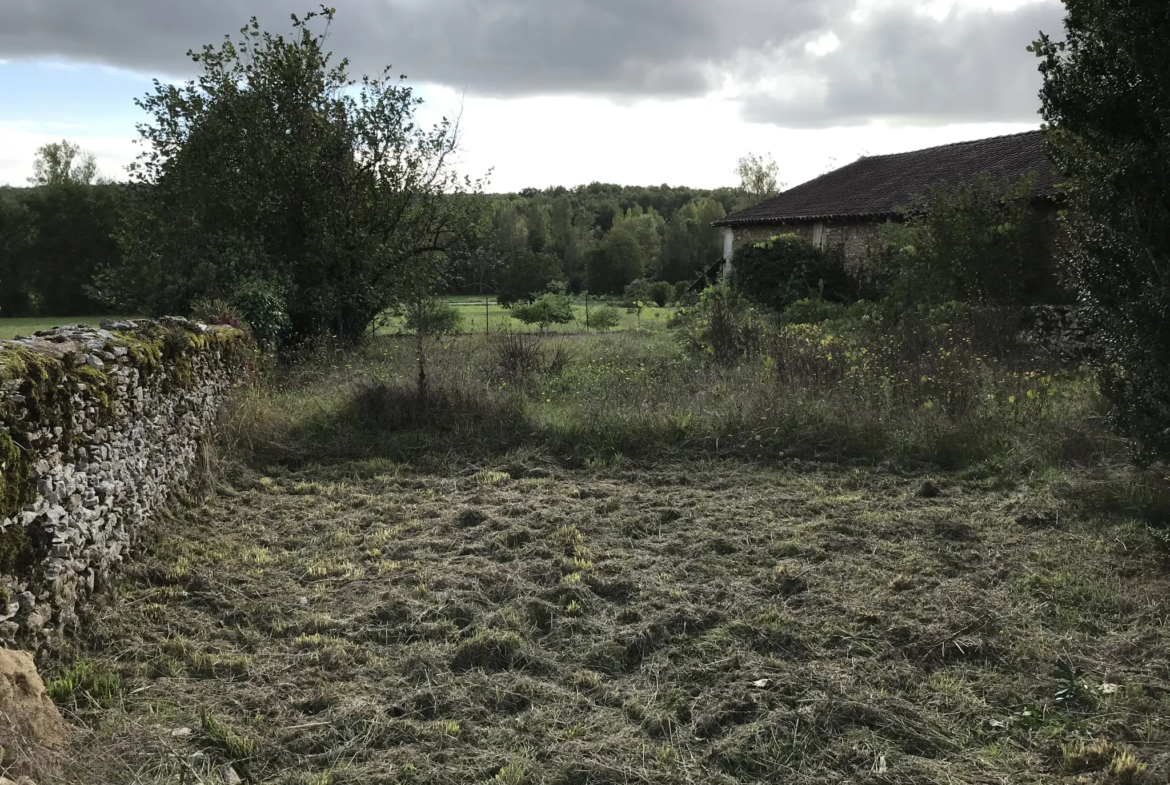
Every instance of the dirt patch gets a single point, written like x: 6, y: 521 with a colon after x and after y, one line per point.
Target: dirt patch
x: 32, y: 733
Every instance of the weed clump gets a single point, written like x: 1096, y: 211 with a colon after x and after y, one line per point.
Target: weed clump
x: 488, y: 649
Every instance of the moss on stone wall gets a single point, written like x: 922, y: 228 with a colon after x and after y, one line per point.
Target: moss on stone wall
x: 16, y: 551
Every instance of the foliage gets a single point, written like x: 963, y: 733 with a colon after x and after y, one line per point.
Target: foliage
x: 758, y: 178
x: 604, y: 318
x: 638, y: 291
x: 264, y: 309
x: 433, y: 317
x: 63, y: 163
x: 526, y: 275
x: 553, y: 307
x: 661, y: 293
x: 52, y: 239
x: 977, y: 242
x: 691, y: 244
x: 722, y: 327
x: 1107, y: 106
x: 647, y: 227
x: 275, y: 165
x: 781, y: 270
x: 614, y: 262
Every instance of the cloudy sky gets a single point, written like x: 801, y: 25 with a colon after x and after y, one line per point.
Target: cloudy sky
x: 562, y: 92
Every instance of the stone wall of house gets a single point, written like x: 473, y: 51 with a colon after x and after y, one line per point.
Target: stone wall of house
x: 859, y: 243
x: 98, y: 427
x: 856, y: 241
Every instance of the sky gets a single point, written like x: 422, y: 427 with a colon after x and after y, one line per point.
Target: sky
x: 567, y: 92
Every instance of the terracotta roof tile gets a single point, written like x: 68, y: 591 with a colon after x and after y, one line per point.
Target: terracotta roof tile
x: 876, y: 185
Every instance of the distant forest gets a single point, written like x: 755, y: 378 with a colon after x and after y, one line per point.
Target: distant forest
x: 55, y: 236
x: 670, y: 228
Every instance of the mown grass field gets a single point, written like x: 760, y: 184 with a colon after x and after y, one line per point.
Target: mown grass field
x: 632, y: 567
x: 478, y: 318
x: 10, y: 328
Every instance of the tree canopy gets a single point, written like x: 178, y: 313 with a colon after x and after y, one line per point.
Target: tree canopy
x: 275, y: 168
x: 1106, y: 103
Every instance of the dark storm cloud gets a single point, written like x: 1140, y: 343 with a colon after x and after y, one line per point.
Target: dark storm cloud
x: 970, y: 67
x: 893, y: 63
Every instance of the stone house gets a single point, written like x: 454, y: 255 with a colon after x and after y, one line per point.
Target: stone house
x: 842, y: 210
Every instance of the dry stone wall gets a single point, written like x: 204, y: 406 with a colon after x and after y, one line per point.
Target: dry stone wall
x: 98, y: 428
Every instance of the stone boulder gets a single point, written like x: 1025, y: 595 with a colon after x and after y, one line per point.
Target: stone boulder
x: 32, y: 733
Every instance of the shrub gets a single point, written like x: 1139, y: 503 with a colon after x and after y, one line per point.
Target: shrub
x: 661, y: 293
x: 721, y: 327
x: 263, y: 306
x: 976, y: 242
x: 781, y: 270
x: 681, y: 288
x: 549, y: 308
x: 433, y: 316
x: 604, y: 318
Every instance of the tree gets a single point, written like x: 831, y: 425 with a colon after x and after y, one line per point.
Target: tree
x: 1106, y: 103
x: 758, y: 177
x: 426, y: 317
x: 526, y: 275
x: 16, y: 235
x: 691, y: 243
x: 614, y: 262
x: 63, y: 163
x: 647, y: 227
x: 661, y: 293
x: 276, y: 165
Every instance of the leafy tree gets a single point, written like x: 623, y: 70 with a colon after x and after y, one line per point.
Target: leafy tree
x: 526, y: 275
x: 758, y: 178
x: 536, y: 220
x: 691, y: 243
x: 976, y: 242
x: 426, y: 317
x: 16, y: 235
x: 614, y: 262
x: 1106, y: 101
x: 553, y: 307
x: 73, y: 227
x: 63, y: 163
x: 647, y: 227
x: 781, y: 270
x: 275, y: 165
x: 680, y: 290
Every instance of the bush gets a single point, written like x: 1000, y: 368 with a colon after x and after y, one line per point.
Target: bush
x: 976, y: 242
x: 637, y: 291
x: 433, y: 317
x: 549, y: 308
x: 722, y: 327
x: 681, y: 289
x: 660, y: 293
x: 604, y: 318
x: 263, y: 307
x: 781, y: 270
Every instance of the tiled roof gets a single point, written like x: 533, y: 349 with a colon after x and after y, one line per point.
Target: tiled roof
x: 875, y: 186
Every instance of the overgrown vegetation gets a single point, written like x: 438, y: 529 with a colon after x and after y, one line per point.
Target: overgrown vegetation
x: 1105, y: 102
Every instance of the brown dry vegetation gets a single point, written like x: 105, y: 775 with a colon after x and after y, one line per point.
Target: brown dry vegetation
x: 394, y: 607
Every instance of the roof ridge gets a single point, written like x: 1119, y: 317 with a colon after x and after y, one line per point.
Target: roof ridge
x: 948, y: 144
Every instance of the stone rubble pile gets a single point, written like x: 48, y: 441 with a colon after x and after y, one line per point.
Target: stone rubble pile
x: 101, y: 427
